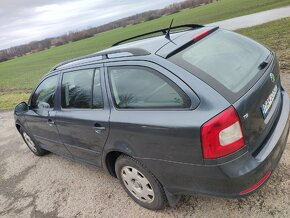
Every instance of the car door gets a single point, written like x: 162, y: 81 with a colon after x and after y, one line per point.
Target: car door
x: 83, y: 118
x: 40, y: 119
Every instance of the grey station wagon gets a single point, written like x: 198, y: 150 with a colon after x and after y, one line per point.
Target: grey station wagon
x: 197, y: 110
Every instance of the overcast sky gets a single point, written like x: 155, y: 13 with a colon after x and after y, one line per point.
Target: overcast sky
x: 22, y: 21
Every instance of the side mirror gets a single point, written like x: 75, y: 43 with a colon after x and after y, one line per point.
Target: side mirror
x: 21, y: 108
x: 43, y: 105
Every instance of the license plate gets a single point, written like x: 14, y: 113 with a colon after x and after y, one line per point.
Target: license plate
x: 265, y: 108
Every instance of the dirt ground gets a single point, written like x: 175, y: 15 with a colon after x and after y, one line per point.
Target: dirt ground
x: 53, y: 186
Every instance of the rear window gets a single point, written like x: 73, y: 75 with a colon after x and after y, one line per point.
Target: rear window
x: 226, y: 57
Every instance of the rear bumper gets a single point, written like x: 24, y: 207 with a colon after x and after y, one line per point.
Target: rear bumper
x: 231, y: 178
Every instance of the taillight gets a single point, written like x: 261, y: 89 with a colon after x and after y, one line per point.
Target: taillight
x: 222, y: 135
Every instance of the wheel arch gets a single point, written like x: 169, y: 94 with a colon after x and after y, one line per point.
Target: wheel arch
x: 110, y: 160
x: 110, y: 157
x: 18, y: 125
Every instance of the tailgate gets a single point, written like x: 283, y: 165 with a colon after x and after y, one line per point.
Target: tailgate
x: 259, y: 107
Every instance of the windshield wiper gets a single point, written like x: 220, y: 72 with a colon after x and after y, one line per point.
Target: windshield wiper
x: 263, y: 65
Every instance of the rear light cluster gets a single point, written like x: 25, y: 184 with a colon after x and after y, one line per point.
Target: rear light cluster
x: 222, y: 135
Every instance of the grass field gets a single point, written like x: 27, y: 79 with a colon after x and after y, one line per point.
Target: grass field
x: 19, y: 76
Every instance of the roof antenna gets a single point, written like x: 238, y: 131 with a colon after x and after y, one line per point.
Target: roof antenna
x: 167, y: 36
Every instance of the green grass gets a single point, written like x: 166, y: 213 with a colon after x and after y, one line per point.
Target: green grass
x: 10, y: 100
x: 21, y: 74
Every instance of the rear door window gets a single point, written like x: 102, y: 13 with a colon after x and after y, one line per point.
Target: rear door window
x: 143, y: 87
x: 81, y: 89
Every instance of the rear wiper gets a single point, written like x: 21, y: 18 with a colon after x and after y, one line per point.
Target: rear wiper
x: 263, y: 65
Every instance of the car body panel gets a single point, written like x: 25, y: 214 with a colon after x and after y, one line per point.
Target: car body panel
x: 77, y: 131
x: 44, y: 132
x: 78, y: 128
x: 229, y: 178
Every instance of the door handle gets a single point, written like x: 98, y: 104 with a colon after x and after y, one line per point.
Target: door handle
x: 50, y: 122
x: 98, y: 128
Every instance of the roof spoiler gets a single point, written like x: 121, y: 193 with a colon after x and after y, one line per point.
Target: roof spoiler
x: 162, y: 31
x: 184, y: 41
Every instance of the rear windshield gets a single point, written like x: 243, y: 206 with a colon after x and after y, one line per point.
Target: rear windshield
x: 228, y: 58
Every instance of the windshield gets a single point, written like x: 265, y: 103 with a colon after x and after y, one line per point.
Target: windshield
x: 229, y: 58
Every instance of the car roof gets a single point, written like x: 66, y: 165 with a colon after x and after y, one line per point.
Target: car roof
x: 141, y: 47
x: 152, y: 44
x: 136, y: 48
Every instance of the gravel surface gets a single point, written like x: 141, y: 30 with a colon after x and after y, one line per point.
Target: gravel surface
x: 52, y: 186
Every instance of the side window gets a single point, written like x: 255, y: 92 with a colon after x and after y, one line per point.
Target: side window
x: 43, y: 97
x: 76, y: 89
x: 97, y: 91
x: 143, y: 87
x: 81, y: 89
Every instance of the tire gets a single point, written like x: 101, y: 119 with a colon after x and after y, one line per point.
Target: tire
x: 139, y: 183
x: 32, y: 144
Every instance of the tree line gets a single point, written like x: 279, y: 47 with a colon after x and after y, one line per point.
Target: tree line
x: 35, y: 46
